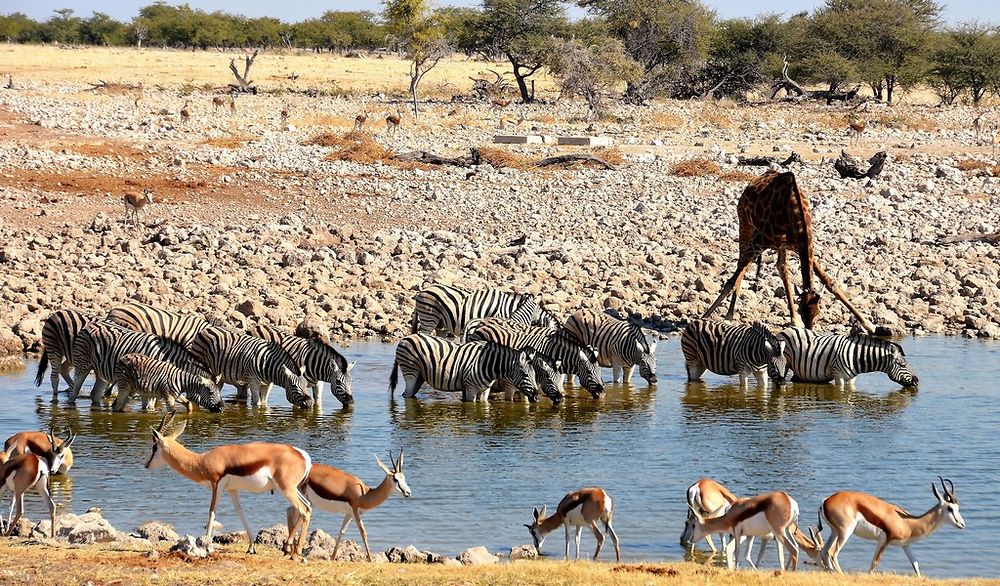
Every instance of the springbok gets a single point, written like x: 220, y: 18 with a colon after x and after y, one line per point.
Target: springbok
x: 506, y: 121
x: 185, y: 113
x: 336, y: 491
x: 359, y: 120
x: 765, y: 515
x: 232, y: 103
x: 20, y: 474
x: 218, y: 102
x: 869, y: 517
x: 38, y: 443
x: 499, y: 103
x: 255, y: 467
x: 284, y: 115
x: 583, y: 508
x: 392, y: 121
x: 855, y: 129
x: 134, y: 203
x: 994, y: 138
x: 705, y: 496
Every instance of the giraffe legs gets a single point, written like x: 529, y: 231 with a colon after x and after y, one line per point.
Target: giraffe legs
x: 840, y: 295
x: 732, y: 286
x: 786, y: 279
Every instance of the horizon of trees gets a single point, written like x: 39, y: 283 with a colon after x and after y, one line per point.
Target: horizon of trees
x: 651, y: 48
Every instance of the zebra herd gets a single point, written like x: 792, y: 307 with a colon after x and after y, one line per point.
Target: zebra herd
x: 472, y: 342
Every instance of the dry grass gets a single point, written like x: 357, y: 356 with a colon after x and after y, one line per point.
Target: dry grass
x: 715, y: 116
x: 972, y: 165
x: 499, y: 158
x: 610, y: 154
x: 233, y: 141
x: 327, y: 139
x: 738, y: 176
x: 321, y: 119
x: 695, y: 168
x: 363, y: 151
x: 666, y: 121
x: 905, y: 120
x: 42, y: 565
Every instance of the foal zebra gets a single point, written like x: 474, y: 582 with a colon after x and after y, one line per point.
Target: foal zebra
x: 729, y: 349
x: 58, y: 334
x: 240, y: 360
x: 100, y: 344
x: 821, y: 358
x: 558, y: 344
x: 471, y: 368
x: 317, y: 360
x: 152, y: 320
x: 619, y: 344
x: 448, y: 310
x: 156, y: 380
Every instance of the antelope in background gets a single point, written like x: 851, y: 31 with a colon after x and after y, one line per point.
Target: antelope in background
x: 855, y: 129
x: 284, y: 115
x: 254, y: 467
x: 232, y: 104
x: 185, y: 113
x: 994, y: 138
x: 392, y: 121
x: 19, y: 474
x: 134, y: 203
x: 336, y: 491
x: 869, y: 517
x: 583, y: 508
x: 218, y: 102
x: 506, y: 121
x: 38, y: 443
x: 764, y: 515
x: 359, y: 120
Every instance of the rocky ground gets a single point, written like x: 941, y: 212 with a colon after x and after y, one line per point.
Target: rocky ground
x: 253, y: 223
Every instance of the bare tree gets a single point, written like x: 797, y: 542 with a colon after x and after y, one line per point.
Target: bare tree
x: 244, y: 80
x: 140, y: 33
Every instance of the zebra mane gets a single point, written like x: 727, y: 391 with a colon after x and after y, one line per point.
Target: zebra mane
x: 761, y: 329
x: 565, y: 335
x: 304, y: 331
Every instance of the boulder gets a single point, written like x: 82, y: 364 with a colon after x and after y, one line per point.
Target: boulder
x: 477, y: 556
x: 523, y: 552
x: 190, y: 548
x: 275, y: 536
x: 156, y: 531
x: 406, y: 555
x: 230, y: 538
x: 87, y: 528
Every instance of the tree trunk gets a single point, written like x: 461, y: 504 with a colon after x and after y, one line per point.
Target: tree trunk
x: 890, y: 86
x: 521, y: 79
x: 414, y: 80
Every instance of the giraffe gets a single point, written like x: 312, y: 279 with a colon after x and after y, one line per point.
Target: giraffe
x: 774, y: 215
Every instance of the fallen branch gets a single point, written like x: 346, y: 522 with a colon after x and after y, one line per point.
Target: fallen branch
x: 768, y: 161
x: 849, y: 167
x: 433, y: 159
x: 990, y: 238
x: 574, y: 158
x: 112, y: 87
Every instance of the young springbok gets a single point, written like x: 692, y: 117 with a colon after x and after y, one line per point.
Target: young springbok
x: 869, y: 517
x: 185, y: 113
x: 583, y: 508
x: 19, y: 474
x: 765, y: 515
x: 37, y: 442
x: 256, y: 467
x: 359, y: 121
x: 218, y: 102
x: 392, y: 121
x: 134, y: 203
x: 284, y: 116
x: 336, y: 491
x: 232, y: 104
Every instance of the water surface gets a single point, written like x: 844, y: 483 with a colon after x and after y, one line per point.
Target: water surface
x: 477, y: 470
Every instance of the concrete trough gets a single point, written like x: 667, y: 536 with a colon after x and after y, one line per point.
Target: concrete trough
x: 519, y: 139
x: 593, y: 141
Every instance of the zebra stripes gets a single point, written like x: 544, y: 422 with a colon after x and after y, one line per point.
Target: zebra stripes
x: 471, y: 368
x: 172, y: 326
x: 100, y: 344
x: 557, y: 344
x: 619, y: 344
x: 58, y: 334
x: 244, y: 360
x: 318, y: 361
x: 729, y: 349
x: 815, y: 357
x: 447, y: 310
x: 156, y: 380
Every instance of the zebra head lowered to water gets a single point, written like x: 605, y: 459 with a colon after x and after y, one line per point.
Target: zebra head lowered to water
x: 317, y: 359
x: 822, y: 358
x: 155, y: 380
x: 619, y: 344
x: 729, y: 349
x: 471, y: 368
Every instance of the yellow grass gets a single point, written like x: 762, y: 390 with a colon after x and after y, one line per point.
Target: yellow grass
x: 233, y: 141
x: 695, y: 168
x: 904, y: 120
x: 209, y: 69
x: 363, y: 151
x: 499, y: 157
x: 738, y: 176
x: 40, y: 565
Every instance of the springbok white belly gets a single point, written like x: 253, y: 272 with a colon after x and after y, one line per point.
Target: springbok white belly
x: 330, y: 506
x: 866, y: 530
x: 756, y: 526
x: 259, y: 481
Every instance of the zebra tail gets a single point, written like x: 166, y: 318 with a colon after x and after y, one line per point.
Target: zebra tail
x: 43, y: 364
x: 394, y: 377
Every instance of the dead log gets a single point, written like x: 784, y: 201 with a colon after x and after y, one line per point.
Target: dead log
x: 575, y: 158
x: 768, y: 161
x: 990, y: 238
x: 786, y: 83
x: 105, y: 86
x: 849, y: 167
x: 433, y: 159
x: 244, y: 83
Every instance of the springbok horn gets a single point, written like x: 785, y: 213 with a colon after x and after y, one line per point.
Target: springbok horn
x: 947, y: 489
x: 400, y: 468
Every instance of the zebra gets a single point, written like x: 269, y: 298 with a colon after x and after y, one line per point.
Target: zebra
x: 318, y: 362
x: 729, y: 349
x: 447, y: 310
x: 58, y: 334
x: 573, y: 357
x: 244, y: 360
x: 619, y: 344
x: 152, y: 320
x: 100, y: 344
x: 822, y: 358
x: 158, y: 380
x: 547, y: 376
x: 472, y: 367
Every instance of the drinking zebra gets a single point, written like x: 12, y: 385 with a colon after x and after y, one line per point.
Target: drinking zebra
x: 447, y: 310
x: 558, y: 344
x: 471, y: 368
x: 100, y: 344
x: 243, y: 360
x: 58, y: 334
x: 620, y: 345
x: 317, y: 360
x: 156, y: 380
x: 821, y: 358
x: 729, y: 349
x: 152, y: 320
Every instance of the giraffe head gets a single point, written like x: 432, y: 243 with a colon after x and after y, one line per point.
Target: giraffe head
x: 809, y: 307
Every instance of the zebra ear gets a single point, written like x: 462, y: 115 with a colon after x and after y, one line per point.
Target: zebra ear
x: 351, y: 365
x: 768, y: 347
x: 528, y: 353
x: 781, y: 347
x: 558, y: 364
